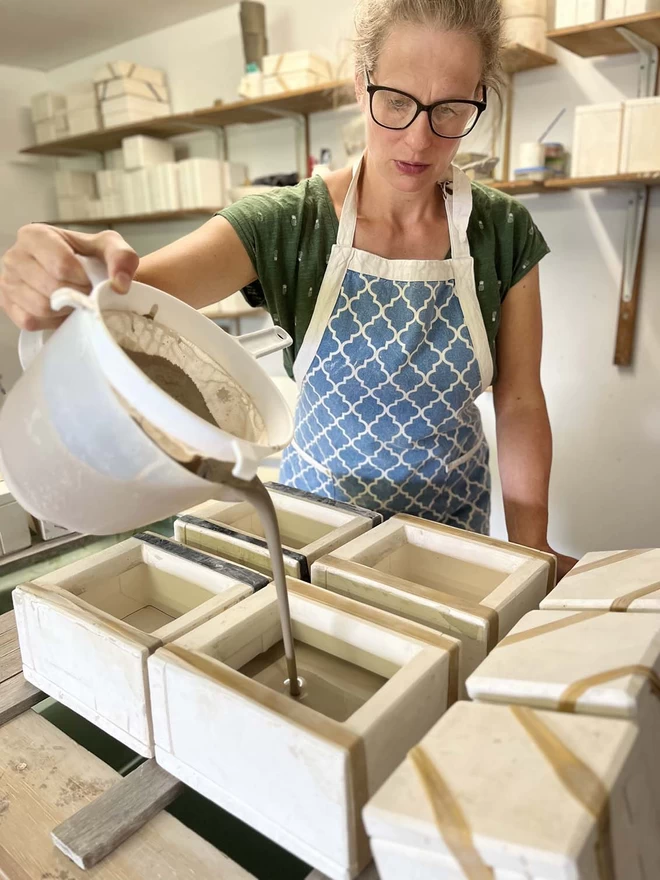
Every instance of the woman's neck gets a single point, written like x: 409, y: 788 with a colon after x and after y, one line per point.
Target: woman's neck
x: 379, y: 200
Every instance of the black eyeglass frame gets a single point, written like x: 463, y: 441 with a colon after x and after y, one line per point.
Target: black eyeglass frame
x: 425, y: 108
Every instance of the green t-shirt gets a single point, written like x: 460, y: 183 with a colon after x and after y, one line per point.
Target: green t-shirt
x: 289, y: 234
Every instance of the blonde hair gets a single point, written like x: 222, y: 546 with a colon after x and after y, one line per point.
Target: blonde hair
x: 481, y: 19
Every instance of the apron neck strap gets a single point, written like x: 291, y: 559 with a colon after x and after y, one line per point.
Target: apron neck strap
x: 348, y: 218
x: 459, y: 208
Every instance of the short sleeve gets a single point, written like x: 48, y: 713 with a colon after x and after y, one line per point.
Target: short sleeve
x: 250, y: 217
x: 528, y: 244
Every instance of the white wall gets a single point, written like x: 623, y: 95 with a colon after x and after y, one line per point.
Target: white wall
x: 606, y: 420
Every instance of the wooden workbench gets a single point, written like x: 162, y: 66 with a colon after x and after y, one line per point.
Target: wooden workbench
x: 45, y: 777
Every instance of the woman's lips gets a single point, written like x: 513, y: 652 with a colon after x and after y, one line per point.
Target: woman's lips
x: 411, y: 168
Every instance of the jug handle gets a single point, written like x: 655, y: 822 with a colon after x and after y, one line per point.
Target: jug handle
x: 263, y: 342
x: 30, y: 342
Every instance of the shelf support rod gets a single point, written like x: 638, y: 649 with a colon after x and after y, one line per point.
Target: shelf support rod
x: 633, y: 244
x: 302, y: 139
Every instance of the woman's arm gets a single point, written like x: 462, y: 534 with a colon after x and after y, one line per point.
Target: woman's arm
x: 202, y: 268
x: 524, y: 440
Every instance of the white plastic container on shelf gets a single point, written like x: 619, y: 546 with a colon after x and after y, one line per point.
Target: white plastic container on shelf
x: 46, y: 105
x: 164, y: 187
x: 80, y: 97
x: 527, y: 30
x: 516, y: 8
x: 113, y: 206
x: 51, y: 129
x: 565, y: 14
x: 109, y: 182
x: 614, y: 9
x: 200, y: 183
x: 251, y: 85
x: 69, y: 184
x: 83, y: 121
x: 640, y: 7
x: 73, y: 208
x: 641, y: 136
x: 113, y: 160
x: 597, y: 140
x: 292, y: 81
x: 128, y: 69
x: 140, y: 151
x: 233, y: 174
x: 128, y: 108
x: 589, y: 11
x: 292, y: 62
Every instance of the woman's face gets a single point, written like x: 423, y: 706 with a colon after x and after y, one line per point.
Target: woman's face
x: 431, y: 66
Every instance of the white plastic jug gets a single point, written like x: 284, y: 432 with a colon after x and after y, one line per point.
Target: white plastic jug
x: 71, y: 449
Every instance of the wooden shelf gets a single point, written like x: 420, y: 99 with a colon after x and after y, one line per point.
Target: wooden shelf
x: 518, y: 187
x: 329, y: 96
x: 156, y: 217
x: 315, y: 99
x: 601, y: 37
x: 615, y: 181
x: 562, y: 184
x: 517, y: 58
x: 111, y: 138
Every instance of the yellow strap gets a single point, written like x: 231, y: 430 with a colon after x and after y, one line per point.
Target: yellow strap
x: 623, y: 603
x: 579, y: 779
x: 569, y: 698
x: 602, y: 563
x: 449, y: 817
x: 549, y: 627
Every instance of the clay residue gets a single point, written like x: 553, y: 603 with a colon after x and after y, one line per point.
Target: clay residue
x: 174, y: 382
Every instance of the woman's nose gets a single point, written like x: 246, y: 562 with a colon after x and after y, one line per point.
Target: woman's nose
x: 419, y: 135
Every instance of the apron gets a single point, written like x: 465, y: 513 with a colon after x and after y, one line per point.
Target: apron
x: 389, y: 370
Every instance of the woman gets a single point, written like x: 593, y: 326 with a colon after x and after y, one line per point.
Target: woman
x: 403, y: 285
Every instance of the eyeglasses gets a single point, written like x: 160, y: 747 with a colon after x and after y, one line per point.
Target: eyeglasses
x: 393, y: 109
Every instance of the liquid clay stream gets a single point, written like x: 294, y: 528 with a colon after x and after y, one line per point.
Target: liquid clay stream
x: 257, y: 495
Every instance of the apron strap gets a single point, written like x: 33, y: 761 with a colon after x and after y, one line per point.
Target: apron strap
x: 348, y: 217
x: 458, y: 214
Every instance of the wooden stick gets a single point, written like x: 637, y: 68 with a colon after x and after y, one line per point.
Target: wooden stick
x: 16, y: 696
x: 97, y: 829
x: 627, y: 320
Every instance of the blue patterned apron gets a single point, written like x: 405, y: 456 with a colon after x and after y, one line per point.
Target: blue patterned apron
x: 394, y: 357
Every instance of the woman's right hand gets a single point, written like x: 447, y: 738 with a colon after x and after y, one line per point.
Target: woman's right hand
x: 43, y: 260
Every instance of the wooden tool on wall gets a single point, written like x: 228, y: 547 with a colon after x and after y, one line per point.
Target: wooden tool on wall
x: 629, y: 300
